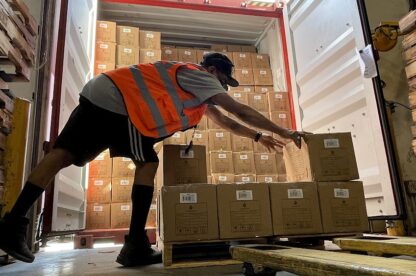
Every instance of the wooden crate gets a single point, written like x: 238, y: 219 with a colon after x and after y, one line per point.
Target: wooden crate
x: 408, y: 22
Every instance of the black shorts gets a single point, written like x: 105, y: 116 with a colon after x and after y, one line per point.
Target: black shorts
x: 91, y: 130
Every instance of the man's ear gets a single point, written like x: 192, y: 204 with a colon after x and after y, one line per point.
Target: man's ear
x: 211, y: 69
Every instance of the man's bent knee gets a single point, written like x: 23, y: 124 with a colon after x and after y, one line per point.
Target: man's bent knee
x: 145, y: 173
x: 62, y: 156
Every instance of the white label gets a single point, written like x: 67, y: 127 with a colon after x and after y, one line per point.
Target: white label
x: 104, y: 46
x: 103, y: 25
x: 206, y: 52
x: 98, y: 208
x: 128, y: 50
x: 183, y: 155
x: 264, y: 157
x: 198, y: 135
x: 125, y: 207
x: 150, y: 35
x: 100, y: 157
x: 222, y: 178
x: 188, y: 53
x: 245, y: 72
x: 264, y: 89
x: 341, y: 193
x: 188, y: 198
x: 244, y: 194
x: 176, y: 135
x: 169, y: 52
x: 219, y: 134
x: 278, y: 96
x: 98, y: 182
x: 247, y: 89
x: 259, y: 57
x: 244, y: 157
x: 126, y: 30
x: 245, y: 179
x: 102, y: 66
x: 222, y: 155
x: 237, y: 95
x: 125, y: 159
x: 257, y: 97
x: 331, y: 143
x: 124, y: 182
x: 294, y: 193
x: 282, y: 116
x: 268, y: 179
x: 150, y: 54
x: 262, y: 72
x: 242, y: 55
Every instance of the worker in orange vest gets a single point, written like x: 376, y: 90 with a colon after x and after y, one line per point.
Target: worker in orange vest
x: 127, y: 111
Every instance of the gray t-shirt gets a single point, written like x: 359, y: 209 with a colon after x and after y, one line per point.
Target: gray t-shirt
x: 102, y: 92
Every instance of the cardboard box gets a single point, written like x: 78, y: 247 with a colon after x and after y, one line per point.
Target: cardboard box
x: 168, y: 46
x: 343, y: 207
x: 105, y: 52
x: 128, y: 36
x: 221, y: 162
x: 278, y: 101
x: 260, y: 60
x: 242, y: 59
x: 281, y: 118
x: 229, y: 55
x: 242, y: 88
x: 98, y: 216
x: 151, y: 217
x: 149, y: 40
x: 178, y: 138
x: 248, y: 48
x: 412, y: 99
x: 170, y: 54
x: 295, y: 208
x: 259, y: 148
x: 176, y: 167
x: 267, y: 178
x: 222, y: 178
x: 219, y: 140
x: 105, y: 31
x: 322, y: 157
x: 211, y: 124
x: 262, y: 76
x: 263, y: 88
x: 241, y: 97
x: 281, y: 168
x: 101, y: 165
x: 99, y: 190
x: 200, y: 137
x: 233, y: 48
x: 265, y: 163
x: 127, y: 55
x: 123, y: 167
x: 187, y: 55
x: 244, y: 210
x: 245, y: 178
x: 200, y: 54
x: 209, y: 177
x: 149, y: 56
x: 203, y: 124
x: 239, y: 143
x: 244, y: 76
x: 243, y: 163
x: 101, y: 67
x: 219, y: 48
x: 188, y: 213
x: 258, y: 101
x: 120, y: 215
x: 121, y: 189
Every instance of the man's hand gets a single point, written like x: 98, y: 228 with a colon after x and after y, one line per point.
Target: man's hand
x: 296, y: 136
x: 270, y: 143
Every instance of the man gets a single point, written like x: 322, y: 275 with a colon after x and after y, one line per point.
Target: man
x: 128, y: 110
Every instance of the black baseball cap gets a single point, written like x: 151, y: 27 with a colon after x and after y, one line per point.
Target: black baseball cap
x: 223, y: 64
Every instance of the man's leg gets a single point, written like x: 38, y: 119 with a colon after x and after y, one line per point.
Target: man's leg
x: 137, y: 250
x: 13, y: 226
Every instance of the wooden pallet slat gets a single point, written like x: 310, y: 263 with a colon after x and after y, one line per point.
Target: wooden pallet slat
x: 6, y: 102
x: 408, y: 22
x: 15, y: 58
x: 30, y: 21
x: 3, y: 85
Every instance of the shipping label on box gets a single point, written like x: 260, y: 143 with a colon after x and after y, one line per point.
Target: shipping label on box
x: 263, y: 89
x: 244, y: 210
x: 128, y: 36
x: 242, y: 60
x: 100, y: 67
x: 98, y: 216
x: 187, y: 55
x: 219, y: 140
x: 262, y: 76
x: 258, y: 101
x: 150, y: 56
x: 170, y: 54
x: 99, y: 190
x: 222, y: 178
x: 198, y: 137
x: 149, y: 40
x: 343, y: 207
x: 105, y: 31
x: 188, y: 213
x: 123, y: 167
x: 178, y: 138
x: 244, y: 76
x: 121, y: 189
x: 278, y: 101
x: 245, y: 178
x: 243, y: 163
x: 127, y: 55
x: 241, y: 97
x: 120, y: 215
x: 322, y: 157
x: 281, y: 118
x: 101, y: 165
x: 260, y: 60
x: 267, y: 178
x: 265, y: 163
x: 221, y: 162
x: 240, y: 143
x: 241, y: 88
x: 295, y: 208
x: 105, y: 52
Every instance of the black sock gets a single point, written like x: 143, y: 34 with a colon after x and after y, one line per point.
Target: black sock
x: 27, y: 197
x: 141, y: 197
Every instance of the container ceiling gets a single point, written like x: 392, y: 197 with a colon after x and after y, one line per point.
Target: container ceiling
x: 188, y: 27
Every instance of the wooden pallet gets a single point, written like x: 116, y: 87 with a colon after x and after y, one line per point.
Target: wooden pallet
x: 379, y: 244
x: 200, y: 253
x: 116, y: 235
x: 318, y: 262
x: 310, y: 239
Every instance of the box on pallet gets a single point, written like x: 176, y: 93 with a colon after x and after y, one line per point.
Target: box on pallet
x: 219, y: 140
x: 234, y: 48
x: 170, y: 54
x: 278, y: 101
x: 198, y: 137
x: 259, y: 148
x: 105, y: 52
x: 322, y: 157
x: 128, y: 36
x: 243, y: 163
x: 187, y: 55
x: 343, y: 207
x: 239, y: 96
x: 242, y: 88
x: 101, y: 67
x: 267, y: 178
x: 127, y: 55
x: 221, y: 162
x: 188, y: 213
x: 262, y: 76
x: 203, y: 124
x: 120, y: 215
x: 105, y: 31
x: 244, y: 76
x: 149, y: 55
x: 248, y: 48
x: 222, y: 178
x: 281, y: 168
x: 244, y: 210
x: 240, y: 143
x: 121, y: 189
x: 219, y: 48
x: 123, y: 167
x: 265, y: 163
x: 149, y: 40
x: 98, y: 216
x: 295, y: 208
x: 258, y: 101
x: 263, y: 89
x: 178, y: 167
x: 99, y: 190
x: 260, y: 60
x: 101, y: 165
x: 244, y: 178
x: 281, y: 118
x: 242, y: 60
x: 178, y: 138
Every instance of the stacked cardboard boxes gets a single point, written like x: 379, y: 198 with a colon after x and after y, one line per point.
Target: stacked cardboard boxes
x: 105, y: 47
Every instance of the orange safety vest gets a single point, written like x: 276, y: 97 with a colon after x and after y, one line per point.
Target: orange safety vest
x: 156, y: 104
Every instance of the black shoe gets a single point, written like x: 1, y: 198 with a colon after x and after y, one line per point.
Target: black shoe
x: 13, y: 238
x: 136, y: 253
